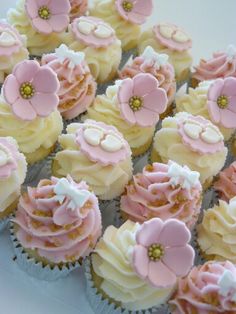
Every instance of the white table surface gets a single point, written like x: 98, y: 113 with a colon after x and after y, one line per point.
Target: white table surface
x: 212, y: 25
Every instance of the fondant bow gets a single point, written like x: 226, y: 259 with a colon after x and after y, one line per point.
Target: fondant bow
x: 152, y: 58
x: 227, y: 285
x: 63, y: 53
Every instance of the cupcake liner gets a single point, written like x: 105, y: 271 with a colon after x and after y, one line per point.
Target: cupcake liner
x: 34, y: 170
x: 4, y: 222
x: 102, y: 306
x: 37, y: 269
x: 199, y: 259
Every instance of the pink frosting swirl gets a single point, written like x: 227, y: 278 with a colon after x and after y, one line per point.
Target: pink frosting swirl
x: 152, y: 194
x: 207, y: 289
x: 226, y: 183
x: 78, y: 8
x: 47, y: 221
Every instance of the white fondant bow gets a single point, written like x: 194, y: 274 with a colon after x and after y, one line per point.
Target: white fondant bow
x: 227, y: 285
x: 231, y: 52
x: 153, y: 58
x: 63, y: 53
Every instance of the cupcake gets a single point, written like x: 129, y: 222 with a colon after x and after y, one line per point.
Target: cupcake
x: 96, y: 153
x: 221, y: 65
x: 13, y: 169
x: 136, y: 267
x: 28, y: 109
x: 164, y: 191
x: 225, y: 185
x: 208, y: 288
x: 192, y: 141
x: 214, y: 100
x: 157, y: 65
x: 42, y: 21
x: 78, y: 8
x: 125, y: 17
x: 77, y: 85
x: 56, y: 225
x: 99, y: 43
x: 216, y: 234
x: 12, y: 49
x: 133, y: 106
x: 175, y: 42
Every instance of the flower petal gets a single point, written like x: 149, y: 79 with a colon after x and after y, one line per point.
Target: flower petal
x: 149, y: 232
x: 229, y: 88
x: 125, y: 91
x: 179, y: 259
x: 59, y: 22
x: 23, y: 110
x: 127, y: 113
x: 143, y: 7
x: 140, y: 261
x: 214, y: 111
x: 31, y: 8
x: 177, y: 228
x: 26, y: 70
x: 156, y: 100
x: 44, y: 104
x: 46, y: 81
x: 59, y: 7
x: 136, y: 18
x: 232, y: 103
x: 215, y: 89
x: 144, y: 83
x: 146, y: 117
x: 228, y: 118
x: 160, y: 276
x: 41, y: 3
x: 11, y: 89
x: 42, y: 26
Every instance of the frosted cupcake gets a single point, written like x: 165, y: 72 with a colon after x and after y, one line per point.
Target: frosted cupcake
x: 98, y: 41
x: 28, y: 109
x: 78, y: 8
x: 225, y: 185
x: 133, y: 106
x: 12, y: 49
x: 221, y: 65
x: 56, y: 225
x: 164, y: 191
x: 77, y: 85
x: 157, y: 65
x: 42, y: 21
x: 208, y: 288
x: 96, y: 153
x: 192, y: 141
x: 13, y: 169
x: 136, y: 267
x: 175, y: 42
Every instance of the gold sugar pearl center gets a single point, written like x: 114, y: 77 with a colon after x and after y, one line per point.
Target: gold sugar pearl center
x: 135, y: 103
x: 27, y: 90
x: 44, y: 13
x: 223, y: 101
x: 127, y: 6
x: 155, y: 252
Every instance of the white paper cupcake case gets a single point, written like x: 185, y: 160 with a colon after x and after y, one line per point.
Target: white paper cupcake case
x: 103, y: 306
x: 3, y: 223
x: 36, y: 269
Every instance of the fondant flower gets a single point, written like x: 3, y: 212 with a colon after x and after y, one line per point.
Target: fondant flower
x: 31, y: 90
x: 222, y: 102
x: 134, y: 11
x: 8, y: 153
x: 162, y: 252
x: 48, y: 16
x: 141, y: 100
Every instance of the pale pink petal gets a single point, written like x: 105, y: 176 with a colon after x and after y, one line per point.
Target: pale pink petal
x: 179, y: 259
x: 140, y: 261
x: 215, y: 90
x: 23, y: 110
x: 121, y: 10
x: 11, y: 89
x: 146, y: 117
x: 46, y: 81
x: 44, y: 104
x: 26, y: 70
x: 174, y: 233
x: 160, y: 276
x: 228, y: 118
x: 214, y: 111
x: 41, y: 3
x: 59, y: 22
x: 156, y: 100
x: 136, y: 18
x: 143, y: 7
x: 127, y: 113
x: 31, y: 8
x: 149, y: 232
x: 42, y: 26
x: 229, y: 88
x: 144, y: 83
x: 59, y: 7
x: 232, y: 103
x: 125, y: 91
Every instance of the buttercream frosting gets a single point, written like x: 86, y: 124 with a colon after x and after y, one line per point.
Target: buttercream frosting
x: 225, y: 184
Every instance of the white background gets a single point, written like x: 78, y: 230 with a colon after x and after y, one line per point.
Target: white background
x: 212, y: 25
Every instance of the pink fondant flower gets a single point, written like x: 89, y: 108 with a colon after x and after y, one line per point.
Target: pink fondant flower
x: 162, y: 253
x: 48, y: 16
x: 222, y: 102
x: 141, y: 100
x: 134, y: 11
x: 31, y: 90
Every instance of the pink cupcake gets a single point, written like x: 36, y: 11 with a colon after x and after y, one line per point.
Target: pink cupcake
x: 78, y: 8
x: 225, y: 185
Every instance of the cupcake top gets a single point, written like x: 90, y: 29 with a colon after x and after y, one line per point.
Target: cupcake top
x: 164, y: 191
x: 208, y: 288
x: 225, y: 185
x: 146, y: 258
x: 78, y: 8
x: 77, y: 85
x: 60, y: 219
x: 221, y: 65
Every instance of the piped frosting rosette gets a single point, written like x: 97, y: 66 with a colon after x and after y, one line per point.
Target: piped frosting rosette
x: 225, y: 185
x: 78, y: 8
